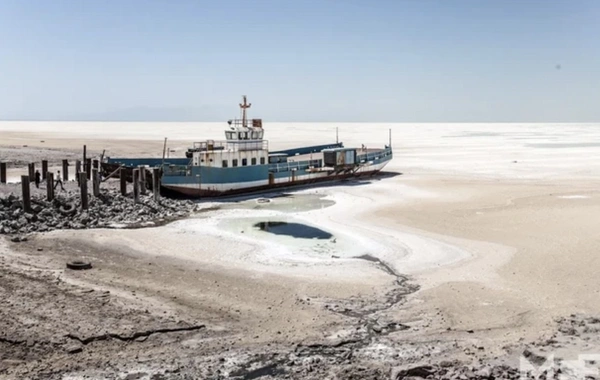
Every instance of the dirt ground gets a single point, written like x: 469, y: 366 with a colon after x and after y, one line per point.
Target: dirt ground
x: 164, y: 304
x: 116, y: 321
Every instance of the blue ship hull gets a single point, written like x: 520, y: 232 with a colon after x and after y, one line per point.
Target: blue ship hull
x: 179, y: 177
x: 215, y: 182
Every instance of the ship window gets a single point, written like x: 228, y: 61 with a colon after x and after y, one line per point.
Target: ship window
x: 202, y: 160
x: 244, y: 161
x: 210, y: 160
x: 245, y: 135
x: 224, y: 163
x: 253, y: 161
x: 262, y: 160
x: 239, y: 135
x: 229, y: 135
x: 254, y: 135
x: 234, y: 162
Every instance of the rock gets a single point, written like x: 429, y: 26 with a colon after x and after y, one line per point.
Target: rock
x: 74, y: 348
x: 84, y: 218
x: 484, y: 373
x: 420, y: 371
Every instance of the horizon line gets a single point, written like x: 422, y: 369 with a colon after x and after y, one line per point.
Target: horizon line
x: 300, y: 122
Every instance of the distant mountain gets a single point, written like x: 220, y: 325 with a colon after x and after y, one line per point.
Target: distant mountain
x: 178, y: 114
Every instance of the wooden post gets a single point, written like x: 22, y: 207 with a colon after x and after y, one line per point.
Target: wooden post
x: 84, y: 193
x: 95, y: 182
x: 26, y: 193
x: 84, y: 158
x: 123, y: 180
x: 88, y: 168
x: 136, y: 185
x: 50, y: 186
x: 65, y: 171
x: 156, y: 183
x: 44, y: 169
x: 2, y: 172
x: 142, y: 180
x: 77, y: 171
x: 98, y: 181
x: 95, y: 164
x: 31, y: 171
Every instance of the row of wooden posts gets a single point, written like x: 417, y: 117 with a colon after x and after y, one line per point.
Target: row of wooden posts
x: 88, y: 163
x: 65, y: 169
x: 139, y: 183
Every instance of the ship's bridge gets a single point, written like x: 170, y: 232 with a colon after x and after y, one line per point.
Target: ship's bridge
x: 239, y: 130
x: 244, y: 145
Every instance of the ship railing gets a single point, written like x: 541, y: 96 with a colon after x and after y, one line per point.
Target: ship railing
x: 230, y: 145
x: 296, y: 165
x: 254, y: 123
x: 374, y: 155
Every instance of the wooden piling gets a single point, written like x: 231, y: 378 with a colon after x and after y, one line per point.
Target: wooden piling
x: 65, y: 170
x: 95, y: 164
x: 84, y: 192
x: 88, y: 168
x: 136, y: 185
x: 95, y: 182
x: 2, y: 172
x: 143, y: 180
x: 44, y: 169
x: 156, y: 183
x: 50, y: 186
x: 84, y: 158
x: 31, y: 171
x: 26, y: 193
x: 123, y: 181
x: 77, y: 167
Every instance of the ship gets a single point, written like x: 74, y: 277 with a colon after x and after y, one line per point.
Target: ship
x: 243, y: 163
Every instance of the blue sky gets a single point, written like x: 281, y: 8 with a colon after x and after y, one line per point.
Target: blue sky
x: 301, y: 60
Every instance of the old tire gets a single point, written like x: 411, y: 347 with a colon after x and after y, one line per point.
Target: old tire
x: 79, y: 265
x: 68, y: 209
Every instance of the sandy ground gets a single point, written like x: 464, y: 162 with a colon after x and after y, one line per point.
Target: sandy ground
x: 477, y: 240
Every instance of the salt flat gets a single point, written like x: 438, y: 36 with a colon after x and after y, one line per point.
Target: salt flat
x: 497, y: 223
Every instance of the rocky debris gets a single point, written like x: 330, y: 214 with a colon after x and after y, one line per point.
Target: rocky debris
x: 109, y: 210
x: 458, y: 372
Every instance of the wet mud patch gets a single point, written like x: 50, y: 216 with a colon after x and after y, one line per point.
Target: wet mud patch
x: 281, y: 202
x: 295, y: 230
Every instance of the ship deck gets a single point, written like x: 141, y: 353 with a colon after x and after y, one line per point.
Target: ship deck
x: 319, y: 155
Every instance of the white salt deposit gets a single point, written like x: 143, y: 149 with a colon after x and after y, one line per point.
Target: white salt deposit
x: 519, y: 151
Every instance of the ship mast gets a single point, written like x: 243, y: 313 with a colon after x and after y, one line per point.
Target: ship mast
x: 243, y: 107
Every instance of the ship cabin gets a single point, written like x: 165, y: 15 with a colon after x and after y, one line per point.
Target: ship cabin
x: 243, y: 146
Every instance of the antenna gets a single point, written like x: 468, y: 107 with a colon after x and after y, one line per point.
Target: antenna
x: 336, y: 135
x: 243, y: 107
